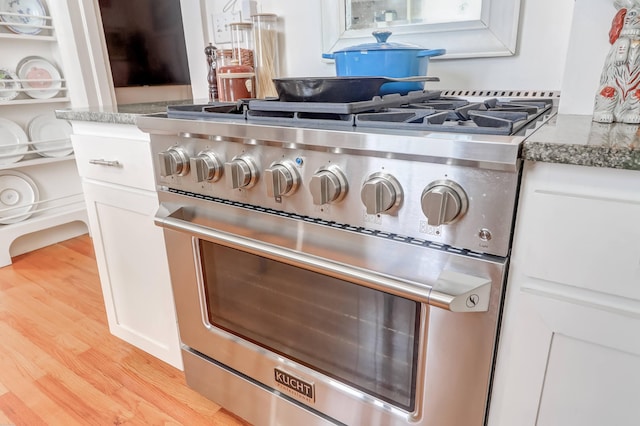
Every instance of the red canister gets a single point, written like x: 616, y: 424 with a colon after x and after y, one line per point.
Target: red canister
x: 236, y: 82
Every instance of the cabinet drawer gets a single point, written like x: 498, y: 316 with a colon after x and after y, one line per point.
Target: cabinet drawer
x: 120, y: 161
x: 582, y: 230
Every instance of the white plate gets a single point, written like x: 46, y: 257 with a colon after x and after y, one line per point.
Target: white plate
x: 49, y: 136
x: 13, y: 142
x: 33, y: 22
x: 9, y: 86
x: 40, y: 78
x: 18, y: 195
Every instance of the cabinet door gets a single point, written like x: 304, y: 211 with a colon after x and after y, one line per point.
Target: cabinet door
x: 569, y: 351
x: 133, y: 268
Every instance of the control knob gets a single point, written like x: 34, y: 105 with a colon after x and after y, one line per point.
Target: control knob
x: 381, y: 193
x: 443, y: 202
x: 241, y: 172
x: 174, y: 161
x: 206, y: 166
x: 328, y: 185
x: 282, y: 179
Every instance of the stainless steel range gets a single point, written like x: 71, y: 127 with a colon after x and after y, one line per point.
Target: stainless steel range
x: 342, y: 263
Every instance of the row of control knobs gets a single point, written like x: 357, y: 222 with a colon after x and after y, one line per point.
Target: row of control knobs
x: 442, y: 201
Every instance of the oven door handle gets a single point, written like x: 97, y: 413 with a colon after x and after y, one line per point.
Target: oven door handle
x: 453, y: 291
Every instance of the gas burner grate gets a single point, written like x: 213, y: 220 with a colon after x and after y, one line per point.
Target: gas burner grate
x: 420, y: 111
x: 378, y: 103
x: 221, y: 110
x: 491, y: 116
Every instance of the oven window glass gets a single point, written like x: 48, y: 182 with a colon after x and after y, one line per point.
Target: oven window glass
x: 357, y: 335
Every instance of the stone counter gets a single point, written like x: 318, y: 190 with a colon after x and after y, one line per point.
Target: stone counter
x: 575, y: 139
x: 120, y: 114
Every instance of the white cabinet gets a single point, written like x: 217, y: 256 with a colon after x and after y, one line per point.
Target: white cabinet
x: 569, y: 351
x: 52, y: 193
x: 115, y: 164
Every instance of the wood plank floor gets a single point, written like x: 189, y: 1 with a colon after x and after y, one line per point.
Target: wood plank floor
x: 59, y: 365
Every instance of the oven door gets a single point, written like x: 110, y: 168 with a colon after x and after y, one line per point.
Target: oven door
x: 327, y: 323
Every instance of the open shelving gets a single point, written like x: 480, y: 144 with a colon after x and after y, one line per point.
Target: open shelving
x: 56, y: 178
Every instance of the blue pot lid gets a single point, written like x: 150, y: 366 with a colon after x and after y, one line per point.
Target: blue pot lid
x: 381, y: 44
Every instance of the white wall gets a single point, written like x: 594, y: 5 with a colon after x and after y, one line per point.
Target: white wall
x: 588, y: 46
x: 194, y: 23
x: 539, y: 64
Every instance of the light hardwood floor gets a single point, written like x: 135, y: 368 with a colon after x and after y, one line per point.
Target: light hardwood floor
x: 59, y: 365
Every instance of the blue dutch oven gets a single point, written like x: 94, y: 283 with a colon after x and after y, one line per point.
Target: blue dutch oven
x: 386, y: 60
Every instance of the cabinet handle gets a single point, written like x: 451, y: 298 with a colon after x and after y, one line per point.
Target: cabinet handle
x: 108, y: 163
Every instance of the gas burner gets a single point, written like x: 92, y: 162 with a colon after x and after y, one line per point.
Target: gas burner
x: 479, y: 122
x: 492, y: 116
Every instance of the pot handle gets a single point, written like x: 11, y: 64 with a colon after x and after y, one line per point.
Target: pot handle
x: 328, y: 56
x: 432, y: 52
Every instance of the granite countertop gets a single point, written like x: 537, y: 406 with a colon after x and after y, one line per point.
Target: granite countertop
x: 566, y: 139
x: 576, y: 139
x: 119, y: 114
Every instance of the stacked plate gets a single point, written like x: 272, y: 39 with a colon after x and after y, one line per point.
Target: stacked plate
x: 51, y: 137
x: 40, y: 78
x: 13, y: 142
x: 9, y: 85
x: 28, y: 16
x: 18, y: 196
